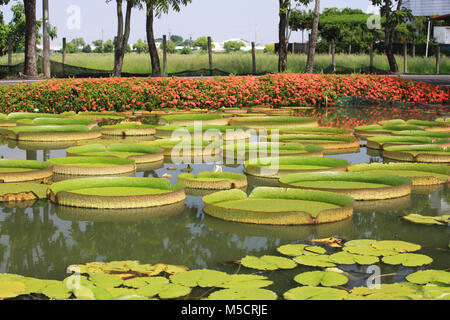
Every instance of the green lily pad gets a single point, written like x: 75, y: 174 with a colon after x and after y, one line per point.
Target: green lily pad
x: 132, y: 297
x: 164, y: 290
x: 202, y: 278
x: 58, y: 291
x: 315, y: 261
x: 322, y: 278
x: 140, y: 282
x: 428, y: 220
x: 399, y: 246
x: 369, y: 251
x: 251, y: 294
x: 105, y: 280
x: 315, y: 293
x: 344, y: 257
x: 11, y: 289
x: 359, y: 242
x: 408, y: 259
x: 241, y: 282
x: 296, y: 250
x: 92, y: 293
x: 436, y: 291
x: 395, y: 291
x: 117, y: 292
x: 74, y: 280
x: 426, y: 276
x: 268, y: 263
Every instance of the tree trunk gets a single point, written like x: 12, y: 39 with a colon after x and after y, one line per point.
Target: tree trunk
x: 389, y: 30
x: 350, y: 48
x: 282, y: 41
x: 333, y: 55
x: 313, y: 39
x: 30, y: 68
x: 156, y: 67
x: 122, y: 37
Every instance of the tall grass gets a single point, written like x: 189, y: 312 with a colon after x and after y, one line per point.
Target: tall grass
x: 241, y: 63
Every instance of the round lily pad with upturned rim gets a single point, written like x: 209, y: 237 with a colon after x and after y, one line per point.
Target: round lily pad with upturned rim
x: 277, y: 167
x: 190, y: 119
x: 39, y: 190
x: 358, y: 185
x: 213, y: 180
x: 92, y: 166
x: 17, y: 170
x: 421, y: 174
x: 53, y: 133
x: 418, y: 153
x: 381, y: 142
x: 274, y: 122
x: 256, y: 149
x: 318, y: 131
x: 208, y: 132
x: 128, y: 129
x: 116, y: 193
x: 278, y: 206
x: 140, y: 153
x: 328, y: 142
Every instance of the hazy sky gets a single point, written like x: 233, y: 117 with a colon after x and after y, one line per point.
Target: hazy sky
x: 221, y: 19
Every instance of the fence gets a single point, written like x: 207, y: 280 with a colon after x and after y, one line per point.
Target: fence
x: 63, y: 70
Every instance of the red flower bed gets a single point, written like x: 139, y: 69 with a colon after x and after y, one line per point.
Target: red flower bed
x: 121, y: 94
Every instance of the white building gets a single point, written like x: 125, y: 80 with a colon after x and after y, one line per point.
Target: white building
x: 427, y: 7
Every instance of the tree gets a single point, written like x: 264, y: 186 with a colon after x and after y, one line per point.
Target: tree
x: 231, y: 46
x: 171, y: 47
x: 394, y: 14
x: 178, y: 40
x: 108, y: 46
x: 123, y: 33
x: 140, y: 46
x: 98, y: 46
x: 87, y: 49
x: 202, y: 43
x: 30, y: 68
x: 285, y: 9
x: 313, y: 39
x: 155, y: 8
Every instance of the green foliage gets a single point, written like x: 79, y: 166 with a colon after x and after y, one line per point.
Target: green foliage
x: 232, y: 46
x: 140, y: 46
x: 202, y: 43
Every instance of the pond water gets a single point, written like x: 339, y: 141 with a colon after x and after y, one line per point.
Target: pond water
x: 42, y: 240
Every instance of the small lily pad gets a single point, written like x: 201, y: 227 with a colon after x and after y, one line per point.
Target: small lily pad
x: 252, y: 294
x: 164, y: 290
x: 315, y: 293
x: 399, y: 246
x: 394, y: 291
x: 246, y: 282
x: 11, y: 289
x: 428, y: 220
x: 105, y: 280
x: 408, y: 259
x: 359, y: 242
x: 202, y: 278
x: 295, y: 250
x: 369, y: 251
x: 426, y: 276
x: 344, y: 257
x: 57, y: 291
x: 322, y: 278
x: 140, y: 282
x: 315, y: 261
x: 268, y: 263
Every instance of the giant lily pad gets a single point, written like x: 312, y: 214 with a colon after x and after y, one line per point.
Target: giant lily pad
x: 277, y: 206
x: 128, y: 129
x: 213, y: 181
x: 321, y: 278
x: 22, y: 191
x: 381, y: 142
x: 16, y: 170
x: 330, y: 143
x: 421, y: 174
x: 53, y: 133
x: 315, y: 293
x: 318, y: 131
x: 207, y: 132
x: 190, y: 119
x: 268, y: 262
x: 408, y: 259
x: 273, y: 122
x: 360, y: 186
x: 57, y: 122
x: 116, y: 193
x: 137, y: 152
x: 418, y: 153
x: 279, y: 166
x: 92, y: 166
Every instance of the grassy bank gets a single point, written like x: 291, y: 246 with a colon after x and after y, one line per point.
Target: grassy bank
x: 241, y: 63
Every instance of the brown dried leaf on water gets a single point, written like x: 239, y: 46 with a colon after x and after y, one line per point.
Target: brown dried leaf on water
x: 332, y: 242
x: 166, y: 176
x: 20, y: 197
x: 47, y: 181
x: 21, y: 204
